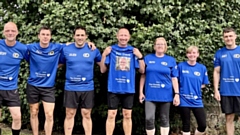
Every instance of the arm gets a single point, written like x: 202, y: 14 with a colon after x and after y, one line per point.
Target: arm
x: 216, y: 79
x: 176, y: 100
x: 141, y: 86
x: 139, y: 55
x: 103, y: 67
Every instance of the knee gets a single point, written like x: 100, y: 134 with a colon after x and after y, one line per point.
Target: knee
x: 164, y: 120
x: 70, y: 115
x: 86, y: 114
x: 201, y: 128
x: 127, y: 115
x: 150, y: 123
x: 112, y: 114
x: 49, y: 116
x: 34, y: 113
x: 17, y: 118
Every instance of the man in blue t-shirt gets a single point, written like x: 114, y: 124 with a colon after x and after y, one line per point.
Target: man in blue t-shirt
x: 79, y: 84
x: 122, y: 60
x: 226, y: 71
x: 11, y: 54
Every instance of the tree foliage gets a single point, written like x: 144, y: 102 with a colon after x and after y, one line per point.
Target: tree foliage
x: 181, y: 22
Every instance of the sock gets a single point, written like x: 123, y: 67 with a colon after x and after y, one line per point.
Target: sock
x: 16, y: 132
x: 164, y: 130
x: 198, y: 133
x: 186, y: 133
x: 151, y: 132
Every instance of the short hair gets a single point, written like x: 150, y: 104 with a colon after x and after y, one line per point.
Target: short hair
x: 191, y: 48
x: 228, y: 29
x: 45, y: 28
x: 79, y: 28
x: 164, y: 40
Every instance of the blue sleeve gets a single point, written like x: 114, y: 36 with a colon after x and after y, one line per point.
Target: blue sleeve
x: 98, y: 56
x: 216, y: 60
x: 174, y: 69
x: 136, y: 62
x: 205, y: 77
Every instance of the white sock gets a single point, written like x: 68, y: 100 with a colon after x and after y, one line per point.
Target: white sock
x: 186, y: 133
x: 151, y: 132
x: 198, y: 133
x: 164, y: 130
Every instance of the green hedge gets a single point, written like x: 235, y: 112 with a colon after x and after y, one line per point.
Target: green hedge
x: 181, y: 22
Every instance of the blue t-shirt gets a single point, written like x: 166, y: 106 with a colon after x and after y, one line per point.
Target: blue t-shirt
x: 191, y: 78
x: 159, y: 73
x: 80, y: 67
x: 10, y: 59
x: 43, y: 64
x: 122, y: 63
x: 229, y: 62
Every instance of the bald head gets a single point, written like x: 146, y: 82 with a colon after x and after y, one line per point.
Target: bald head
x: 123, y: 37
x: 10, y: 32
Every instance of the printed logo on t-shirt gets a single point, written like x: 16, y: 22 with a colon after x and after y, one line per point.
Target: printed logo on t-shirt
x: 206, y: 74
x: 197, y: 73
x: 15, y: 55
x: 224, y: 56
x: 122, y: 63
x: 175, y: 67
x: 164, y: 63
x: 185, y: 71
x: 48, y: 75
x: 83, y: 78
x: 51, y: 53
x: 3, y: 53
x: 237, y: 79
x: 10, y: 78
x: 151, y: 62
x: 73, y: 54
x: 39, y: 52
x: 236, y: 56
x: 128, y: 81
x: 162, y: 85
x: 86, y: 55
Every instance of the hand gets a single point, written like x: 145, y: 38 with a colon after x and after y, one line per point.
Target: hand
x: 137, y: 53
x: 91, y: 45
x: 217, y: 95
x: 176, y: 100
x: 107, y: 51
x: 141, y: 97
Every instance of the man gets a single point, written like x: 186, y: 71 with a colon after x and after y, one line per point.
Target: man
x: 11, y: 54
x: 226, y: 71
x: 121, y: 83
x: 79, y: 84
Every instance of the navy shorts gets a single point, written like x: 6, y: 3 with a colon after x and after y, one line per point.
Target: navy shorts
x: 10, y: 98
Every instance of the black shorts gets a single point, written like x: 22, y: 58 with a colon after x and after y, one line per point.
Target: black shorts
x: 84, y: 99
x: 10, y: 98
x: 230, y: 104
x: 35, y: 94
x: 125, y: 99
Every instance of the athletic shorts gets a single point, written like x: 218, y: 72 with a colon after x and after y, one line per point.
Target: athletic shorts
x: 35, y: 94
x: 10, y: 98
x: 230, y: 104
x: 125, y: 99
x: 73, y: 99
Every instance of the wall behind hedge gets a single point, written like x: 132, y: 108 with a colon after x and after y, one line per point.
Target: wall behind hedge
x: 181, y: 22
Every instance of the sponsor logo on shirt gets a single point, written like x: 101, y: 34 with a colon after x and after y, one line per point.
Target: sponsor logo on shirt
x: 236, y: 56
x: 197, y: 73
x: 151, y: 62
x: 83, y: 78
x: 206, y: 74
x: 39, y: 52
x: 10, y: 78
x: 185, y: 71
x: 73, y: 54
x: 164, y: 63
x: 162, y: 85
x: 51, y: 53
x: 224, y: 56
x: 237, y: 79
x: 3, y: 53
x: 86, y: 55
x: 15, y: 55
x: 175, y: 67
